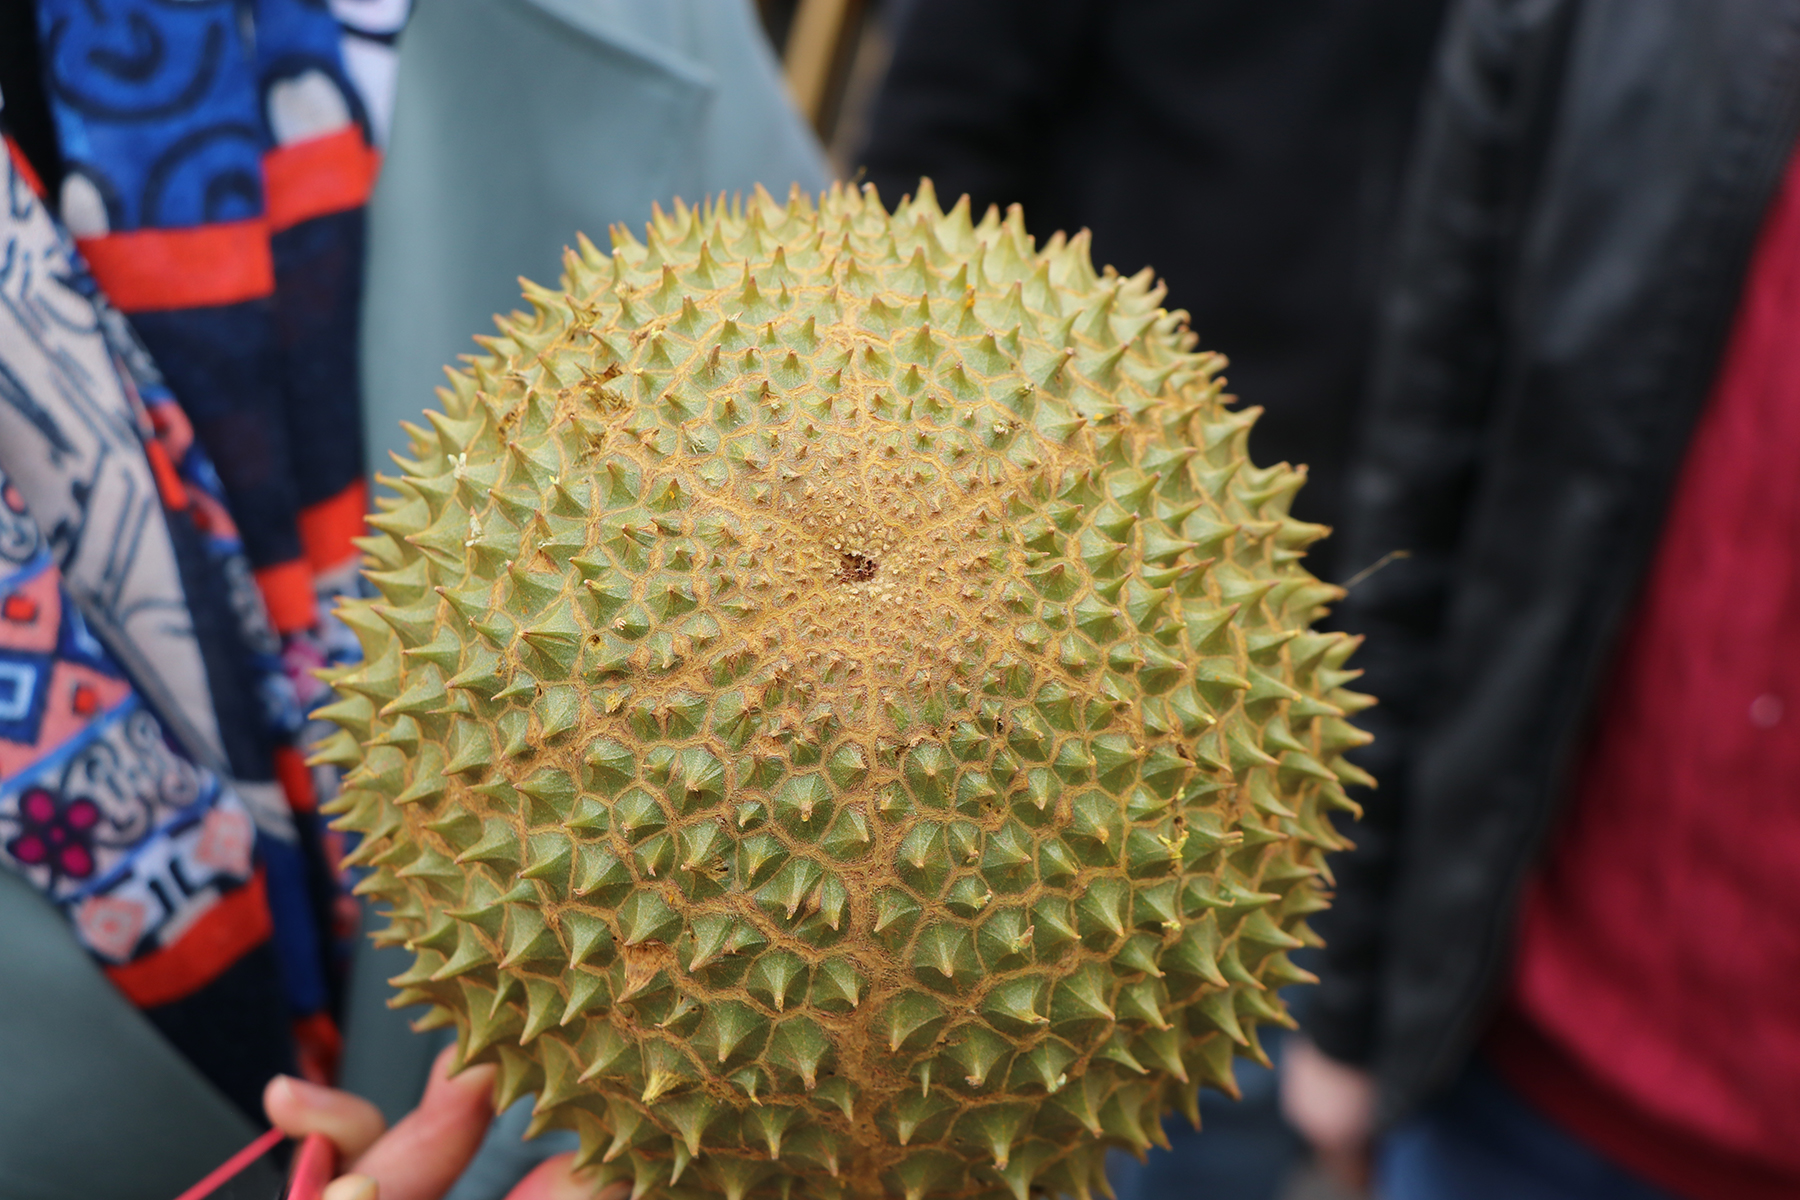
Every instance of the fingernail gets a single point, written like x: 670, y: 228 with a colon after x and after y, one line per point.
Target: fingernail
x: 479, y: 1078
x: 299, y: 1091
x: 351, y: 1187
x: 280, y: 1090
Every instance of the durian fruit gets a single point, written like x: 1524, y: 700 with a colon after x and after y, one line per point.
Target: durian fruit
x: 840, y: 718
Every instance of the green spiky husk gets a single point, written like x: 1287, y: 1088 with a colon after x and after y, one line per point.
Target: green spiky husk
x: 841, y: 718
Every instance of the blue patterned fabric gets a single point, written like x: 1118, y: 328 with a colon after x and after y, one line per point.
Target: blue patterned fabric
x: 155, y: 109
x: 143, y: 692
x: 216, y: 162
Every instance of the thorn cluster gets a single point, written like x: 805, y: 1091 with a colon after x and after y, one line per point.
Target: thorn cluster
x: 840, y: 717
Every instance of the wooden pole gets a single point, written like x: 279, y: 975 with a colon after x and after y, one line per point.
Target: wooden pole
x: 811, y: 56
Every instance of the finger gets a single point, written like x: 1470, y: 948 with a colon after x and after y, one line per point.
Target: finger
x: 351, y: 1187
x: 556, y: 1179
x: 552, y: 1179
x: 421, y: 1156
x: 298, y: 1108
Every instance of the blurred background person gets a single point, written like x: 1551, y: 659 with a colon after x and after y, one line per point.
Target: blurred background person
x: 1562, y: 958
x: 1249, y: 153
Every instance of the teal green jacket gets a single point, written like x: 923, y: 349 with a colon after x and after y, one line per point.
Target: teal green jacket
x: 518, y: 124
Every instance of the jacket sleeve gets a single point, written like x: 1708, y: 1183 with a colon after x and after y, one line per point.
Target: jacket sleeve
x: 968, y: 93
x: 1436, y: 367
x: 96, y: 1102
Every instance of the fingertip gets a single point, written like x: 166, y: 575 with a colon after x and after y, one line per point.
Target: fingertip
x: 470, y: 1085
x: 277, y: 1097
x: 299, y: 1108
x: 351, y: 1187
x: 295, y: 1090
x: 287, y: 1102
x: 480, y: 1075
x: 556, y: 1179
x: 440, y: 1066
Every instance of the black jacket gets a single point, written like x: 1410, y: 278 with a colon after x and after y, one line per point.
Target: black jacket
x: 1248, y: 150
x: 1588, y: 186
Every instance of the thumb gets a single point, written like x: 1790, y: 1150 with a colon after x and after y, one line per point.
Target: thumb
x: 421, y: 1156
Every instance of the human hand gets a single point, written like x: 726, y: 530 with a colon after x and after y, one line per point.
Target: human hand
x: 418, y: 1159
x: 427, y: 1150
x: 422, y: 1155
x: 1332, y: 1105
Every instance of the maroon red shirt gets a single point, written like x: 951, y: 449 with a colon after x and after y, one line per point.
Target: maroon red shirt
x: 1655, y: 1003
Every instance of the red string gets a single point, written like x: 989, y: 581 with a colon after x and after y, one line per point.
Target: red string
x: 231, y: 1166
x: 312, y: 1169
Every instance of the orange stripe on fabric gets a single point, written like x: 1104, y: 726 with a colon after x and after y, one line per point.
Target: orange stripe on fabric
x: 328, y: 527
x: 287, y: 591
x: 296, y: 779
x: 153, y: 270
x: 224, y: 933
x: 23, y: 166
x: 168, y: 480
x: 318, y: 176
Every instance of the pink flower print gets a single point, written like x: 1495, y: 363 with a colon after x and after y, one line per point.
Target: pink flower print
x: 57, y: 836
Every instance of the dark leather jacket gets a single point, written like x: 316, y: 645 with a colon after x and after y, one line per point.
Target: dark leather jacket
x: 1584, y: 198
